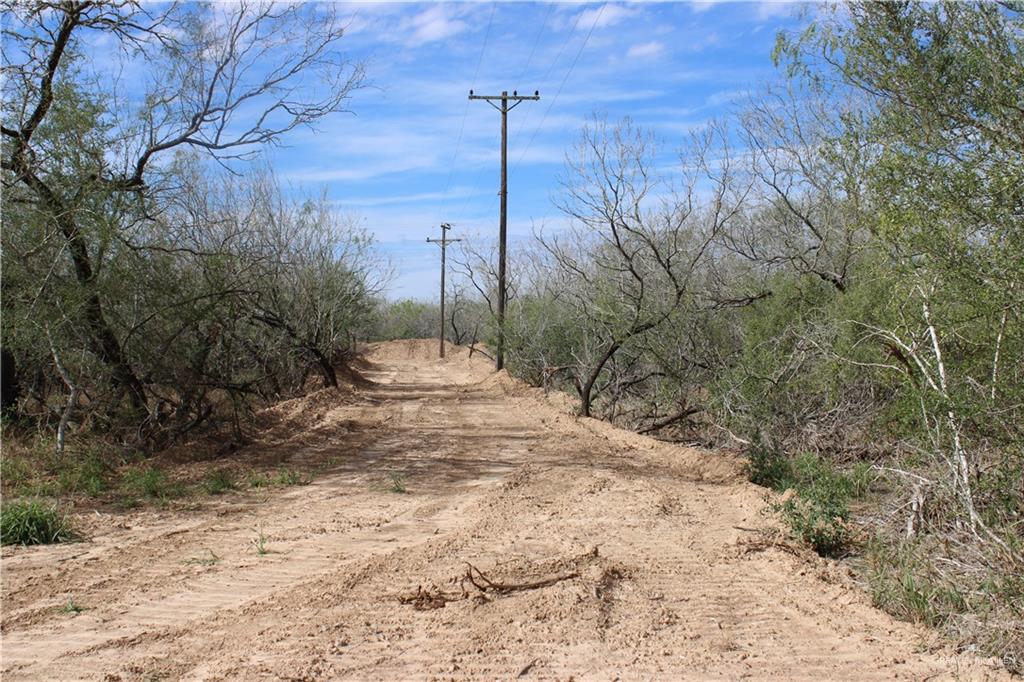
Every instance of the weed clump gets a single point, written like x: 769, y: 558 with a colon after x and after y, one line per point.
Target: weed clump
x: 289, y: 477
x: 88, y: 475
x: 259, y: 543
x: 397, y: 483
x: 72, y: 607
x: 219, y: 482
x: 150, y: 483
x: 816, y: 495
x: 33, y: 523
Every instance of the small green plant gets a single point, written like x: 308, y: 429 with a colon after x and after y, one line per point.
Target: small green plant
x: 289, y: 477
x: 87, y: 475
x: 259, y: 542
x: 32, y: 523
x: 767, y: 465
x: 204, y: 560
x: 72, y: 607
x: 14, y: 472
x: 218, y: 482
x: 397, y: 482
x: 822, y: 527
x: 816, y: 495
x: 150, y: 483
x: 862, y: 475
x: 258, y: 480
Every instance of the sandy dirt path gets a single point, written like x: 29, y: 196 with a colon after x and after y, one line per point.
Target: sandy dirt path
x: 592, y: 554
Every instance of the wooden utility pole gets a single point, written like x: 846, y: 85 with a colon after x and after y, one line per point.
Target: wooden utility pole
x: 444, y: 242
x: 516, y: 99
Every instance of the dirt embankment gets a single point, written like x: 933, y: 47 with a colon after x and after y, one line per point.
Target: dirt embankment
x: 465, y: 528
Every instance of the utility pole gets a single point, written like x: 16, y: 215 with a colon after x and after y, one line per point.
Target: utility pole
x: 516, y: 99
x: 444, y: 242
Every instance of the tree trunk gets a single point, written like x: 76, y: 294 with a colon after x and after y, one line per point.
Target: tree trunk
x: 326, y: 369
x: 9, y: 380
x: 588, y: 385
x: 102, y: 339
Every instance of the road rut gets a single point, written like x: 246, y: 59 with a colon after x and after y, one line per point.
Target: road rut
x: 657, y: 562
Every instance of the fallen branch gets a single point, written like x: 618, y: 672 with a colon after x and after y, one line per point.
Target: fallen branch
x: 671, y: 419
x: 526, y: 668
x: 507, y: 588
x: 434, y: 597
x: 752, y: 546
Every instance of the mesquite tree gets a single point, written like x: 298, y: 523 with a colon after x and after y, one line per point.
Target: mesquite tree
x: 92, y: 162
x: 941, y: 84
x: 634, y: 249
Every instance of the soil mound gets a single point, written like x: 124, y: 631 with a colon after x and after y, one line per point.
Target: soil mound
x: 407, y: 349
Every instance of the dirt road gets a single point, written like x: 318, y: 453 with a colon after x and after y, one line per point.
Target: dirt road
x: 591, y: 553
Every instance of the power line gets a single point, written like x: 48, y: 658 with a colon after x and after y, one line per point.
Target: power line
x: 562, y: 85
x: 554, y: 62
x: 529, y: 60
x: 465, y: 111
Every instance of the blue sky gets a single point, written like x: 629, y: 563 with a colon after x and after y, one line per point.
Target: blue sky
x: 417, y: 152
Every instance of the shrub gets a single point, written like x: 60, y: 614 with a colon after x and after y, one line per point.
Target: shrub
x: 219, y: 481
x: 767, y: 465
x: 150, y: 483
x: 32, y: 523
x: 287, y: 476
x: 88, y: 475
x: 815, y: 502
x: 397, y: 482
x: 817, y: 523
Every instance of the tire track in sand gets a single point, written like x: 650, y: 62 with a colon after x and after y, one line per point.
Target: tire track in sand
x: 500, y: 478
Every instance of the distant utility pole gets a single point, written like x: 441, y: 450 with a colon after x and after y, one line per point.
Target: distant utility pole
x: 505, y: 98
x: 444, y: 242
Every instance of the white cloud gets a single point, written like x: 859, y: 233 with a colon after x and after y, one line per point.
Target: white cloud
x: 726, y: 97
x: 608, y: 14
x: 420, y: 197
x: 645, y: 50
x: 766, y: 9
x: 769, y: 9
x: 433, y: 24
x: 700, y: 6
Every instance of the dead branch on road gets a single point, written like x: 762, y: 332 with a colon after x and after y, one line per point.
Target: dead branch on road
x: 434, y: 597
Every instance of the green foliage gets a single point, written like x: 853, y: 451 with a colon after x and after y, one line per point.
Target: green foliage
x: 259, y: 543
x: 397, y: 482
x: 815, y: 495
x: 88, y: 475
x: 150, y: 482
x: 32, y: 522
x: 404, y: 319
x: 72, y: 607
x: 219, y: 481
x: 817, y: 522
x: 980, y: 606
x: 15, y: 472
x: 541, y: 333
x: 767, y: 465
x: 289, y: 477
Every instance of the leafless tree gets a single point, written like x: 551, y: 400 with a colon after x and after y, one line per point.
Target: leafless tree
x: 223, y: 79
x: 634, y: 249
x: 807, y: 187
